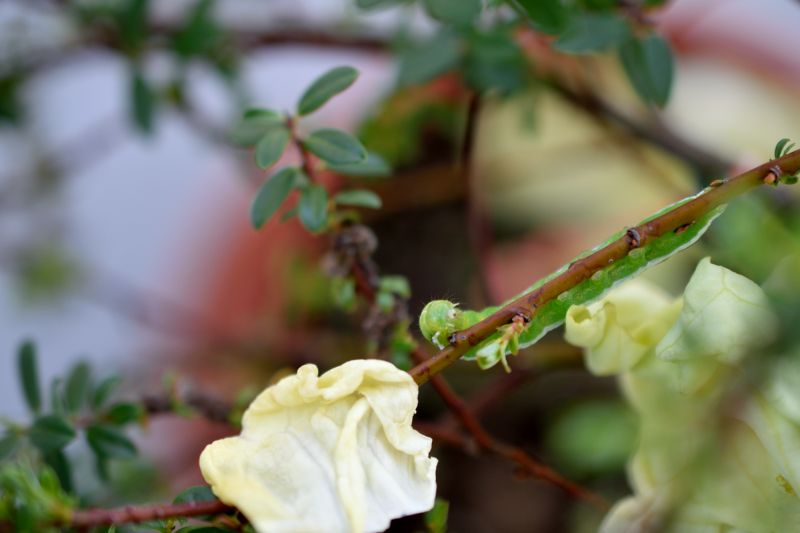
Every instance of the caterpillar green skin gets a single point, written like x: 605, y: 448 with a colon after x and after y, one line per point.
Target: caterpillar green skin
x: 441, y: 318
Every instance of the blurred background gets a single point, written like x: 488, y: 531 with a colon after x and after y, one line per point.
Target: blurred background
x: 124, y: 232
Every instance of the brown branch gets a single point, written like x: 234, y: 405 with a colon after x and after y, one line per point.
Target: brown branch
x: 582, y: 269
x: 488, y: 443
x: 484, y: 400
x: 209, y: 407
x: 705, y: 162
x: 85, y: 518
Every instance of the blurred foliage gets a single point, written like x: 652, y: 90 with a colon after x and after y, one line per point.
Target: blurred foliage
x: 593, y: 438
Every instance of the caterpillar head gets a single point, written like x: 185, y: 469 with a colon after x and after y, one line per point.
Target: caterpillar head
x: 438, y: 320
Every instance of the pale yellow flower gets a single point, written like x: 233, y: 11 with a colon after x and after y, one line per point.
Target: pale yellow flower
x: 698, y: 467
x: 724, y: 315
x: 618, y: 330
x: 332, y: 453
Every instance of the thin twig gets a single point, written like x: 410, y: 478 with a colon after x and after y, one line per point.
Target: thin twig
x: 582, y: 269
x: 85, y: 518
x: 209, y: 407
x: 488, y: 443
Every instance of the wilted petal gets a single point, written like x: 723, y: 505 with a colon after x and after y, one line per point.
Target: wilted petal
x: 724, y: 314
x: 327, y: 453
x: 618, y: 330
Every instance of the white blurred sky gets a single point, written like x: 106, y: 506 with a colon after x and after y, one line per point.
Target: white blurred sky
x: 130, y: 214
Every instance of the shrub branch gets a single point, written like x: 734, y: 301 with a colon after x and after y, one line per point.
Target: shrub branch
x: 718, y: 193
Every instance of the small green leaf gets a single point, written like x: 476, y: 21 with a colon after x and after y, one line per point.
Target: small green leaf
x: 271, y: 146
x: 29, y: 375
x: 202, y: 529
x: 272, y: 194
x: 395, y: 284
x: 344, y: 292
x: 104, y: 390
x: 457, y: 12
x: 61, y: 466
x: 133, y: 24
x: 423, y: 62
x: 436, y: 518
x: 649, y: 66
x: 254, y: 125
x: 385, y: 301
x: 589, y: 32
x: 358, y: 198
x: 109, y: 443
x: 51, y: 432
x: 374, y: 166
x: 335, y: 147
x: 56, y: 395
x: 373, y: 4
x: 77, y: 387
x: 313, y: 208
x: 326, y: 87
x: 783, y: 147
x: 199, y: 493
x: 8, y: 444
x: 200, y: 33
x: 547, y: 16
x: 495, y: 62
x: 143, y: 103
x: 123, y: 413
x: 260, y: 113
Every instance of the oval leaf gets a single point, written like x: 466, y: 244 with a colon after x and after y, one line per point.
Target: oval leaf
x: 373, y: 4
x: 143, y: 103
x: 51, y: 432
x: 271, y: 195
x: 374, y: 166
x: 104, y: 390
x: 254, y: 125
x: 109, y: 443
x: 124, y: 413
x: 326, y: 87
x: 61, y: 466
x: 592, y: 32
x: 313, y: 209
x: 199, y: 493
x: 427, y: 60
x: 649, y: 67
x: 77, y: 387
x: 458, y: 12
x: 29, y: 375
x: 547, y: 16
x: 271, y: 146
x: 358, y: 198
x: 335, y: 147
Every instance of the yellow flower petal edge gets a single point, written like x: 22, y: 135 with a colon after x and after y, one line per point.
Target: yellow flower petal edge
x: 618, y: 330
x: 333, y: 453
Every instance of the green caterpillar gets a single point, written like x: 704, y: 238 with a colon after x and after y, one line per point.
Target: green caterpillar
x: 440, y: 319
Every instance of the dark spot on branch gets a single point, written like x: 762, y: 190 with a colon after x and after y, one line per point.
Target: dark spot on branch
x: 634, y: 239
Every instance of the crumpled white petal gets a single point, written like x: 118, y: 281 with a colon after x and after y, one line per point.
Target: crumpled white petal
x: 333, y: 453
x: 724, y: 315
